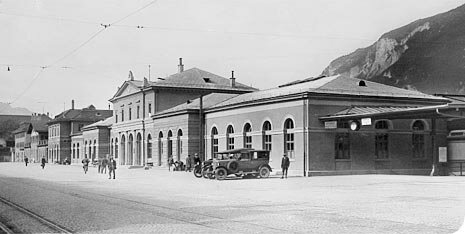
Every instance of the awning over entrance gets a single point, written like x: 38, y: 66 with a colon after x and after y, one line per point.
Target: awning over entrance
x: 450, y: 111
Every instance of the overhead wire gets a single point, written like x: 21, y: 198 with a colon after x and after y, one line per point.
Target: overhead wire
x: 37, y: 75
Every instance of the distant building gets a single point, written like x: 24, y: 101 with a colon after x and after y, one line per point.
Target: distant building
x: 93, y: 141
x: 68, y: 124
x: 31, y: 138
x: 9, y: 123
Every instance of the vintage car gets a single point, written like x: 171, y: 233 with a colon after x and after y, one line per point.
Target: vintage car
x: 241, y: 162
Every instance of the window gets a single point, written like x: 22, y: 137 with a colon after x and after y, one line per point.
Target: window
x: 214, y: 136
x: 418, y: 139
x: 122, y: 115
x: 247, y: 136
x: 266, y: 135
x: 381, y: 140
x: 289, y: 138
x: 149, y: 146
x: 111, y: 147
x: 150, y: 108
x: 342, y: 146
x: 138, y: 110
x: 130, y: 113
x: 74, y: 151
x: 116, y: 117
x: 229, y: 138
x: 77, y: 151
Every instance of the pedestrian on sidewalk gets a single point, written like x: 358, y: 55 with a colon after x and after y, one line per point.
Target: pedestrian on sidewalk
x: 284, y: 165
x: 111, y: 168
x: 170, y: 163
x: 104, y: 165
x: 42, y: 163
x: 26, y: 160
x: 85, y: 165
x: 189, y: 163
x: 99, y: 164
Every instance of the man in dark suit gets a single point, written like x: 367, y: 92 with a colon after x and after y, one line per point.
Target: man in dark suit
x: 111, y: 168
x: 285, y: 165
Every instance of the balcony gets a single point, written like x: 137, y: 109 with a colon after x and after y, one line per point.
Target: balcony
x: 43, y: 143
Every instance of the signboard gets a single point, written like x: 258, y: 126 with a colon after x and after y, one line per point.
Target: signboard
x: 442, y: 154
x: 331, y: 124
x: 366, y: 121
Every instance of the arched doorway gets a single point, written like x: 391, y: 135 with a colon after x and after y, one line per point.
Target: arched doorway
x: 123, y: 150
x: 130, y: 149
x: 160, y: 147
x: 179, y: 145
x: 170, y: 144
x: 138, y: 149
x: 149, y: 147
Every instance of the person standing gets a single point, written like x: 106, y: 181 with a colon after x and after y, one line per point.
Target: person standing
x: 170, y: 163
x: 285, y: 165
x: 26, y: 160
x: 111, y: 168
x: 42, y: 163
x: 85, y: 165
x: 104, y: 165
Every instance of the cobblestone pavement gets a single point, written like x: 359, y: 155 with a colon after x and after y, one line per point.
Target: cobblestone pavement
x: 158, y: 201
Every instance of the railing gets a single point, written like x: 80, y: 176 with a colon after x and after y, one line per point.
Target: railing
x: 43, y: 142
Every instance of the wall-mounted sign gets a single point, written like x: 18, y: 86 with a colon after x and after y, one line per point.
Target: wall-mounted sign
x: 442, y: 154
x: 366, y: 121
x: 331, y: 124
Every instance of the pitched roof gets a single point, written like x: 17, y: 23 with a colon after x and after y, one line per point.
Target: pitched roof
x: 197, y: 78
x: 102, y: 123
x: 335, y: 85
x: 23, y: 127
x: 39, y: 123
x: 89, y: 114
x: 208, y: 101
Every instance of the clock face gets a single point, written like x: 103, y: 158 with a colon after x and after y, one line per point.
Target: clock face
x: 354, y: 126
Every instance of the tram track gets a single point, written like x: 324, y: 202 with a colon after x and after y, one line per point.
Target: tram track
x: 54, y: 227
x: 172, y: 213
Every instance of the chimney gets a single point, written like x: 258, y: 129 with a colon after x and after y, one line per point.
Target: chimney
x: 109, y: 106
x: 72, y: 104
x: 48, y: 114
x: 180, y: 66
x: 233, y: 80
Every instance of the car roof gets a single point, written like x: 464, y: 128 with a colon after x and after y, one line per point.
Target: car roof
x: 242, y: 150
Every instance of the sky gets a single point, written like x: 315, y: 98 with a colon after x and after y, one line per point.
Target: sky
x: 58, y: 50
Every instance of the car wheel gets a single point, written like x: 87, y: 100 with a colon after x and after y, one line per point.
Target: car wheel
x: 221, y: 173
x: 233, y: 166
x: 264, y: 172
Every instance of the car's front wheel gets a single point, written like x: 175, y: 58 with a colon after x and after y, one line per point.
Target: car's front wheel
x: 264, y: 172
x: 221, y: 173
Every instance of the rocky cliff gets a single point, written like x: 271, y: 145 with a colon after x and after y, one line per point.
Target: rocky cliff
x: 427, y: 55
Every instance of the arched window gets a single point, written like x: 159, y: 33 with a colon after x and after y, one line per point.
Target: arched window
x: 77, y: 151
x: 149, y: 146
x: 74, y: 151
x: 382, y: 140
x: 179, y: 144
x: 247, y: 136
x: 123, y: 150
x: 266, y: 135
x: 418, y: 139
x: 138, y: 157
x: 289, y: 138
x: 170, y: 143
x: 85, y: 150
x: 214, y: 139
x: 130, y: 156
x: 116, y: 147
x: 94, y: 155
x: 229, y: 137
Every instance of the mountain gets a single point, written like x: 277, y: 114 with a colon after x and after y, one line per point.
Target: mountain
x: 6, y: 109
x: 427, y: 55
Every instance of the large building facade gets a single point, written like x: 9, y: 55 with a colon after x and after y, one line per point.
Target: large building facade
x: 134, y: 132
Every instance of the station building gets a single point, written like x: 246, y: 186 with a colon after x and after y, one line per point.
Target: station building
x: 134, y: 132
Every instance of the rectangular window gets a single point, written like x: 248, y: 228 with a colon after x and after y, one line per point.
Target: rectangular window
x: 342, y: 146
x: 381, y: 146
x: 150, y: 108
x: 248, y: 142
x: 116, y: 118
x: 138, y: 110
x: 130, y: 113
x: 122, y: 115
x: 267, y: 141
x: 230, y: 143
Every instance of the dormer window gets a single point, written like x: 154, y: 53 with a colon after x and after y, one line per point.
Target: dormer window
x: 207, y: 80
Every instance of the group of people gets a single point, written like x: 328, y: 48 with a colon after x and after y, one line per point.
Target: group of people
x: 42, y: 161
x: 191, y: 162
x: 102, y: 166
